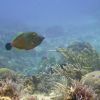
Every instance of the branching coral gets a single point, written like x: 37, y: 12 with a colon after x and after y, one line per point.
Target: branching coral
x: 77, y: 91
x: 80, y: 58
x: 82, y: 54
x: 31, y: 84
x: 69, y: 71
x: 46, y: 84
x: 82, y: 92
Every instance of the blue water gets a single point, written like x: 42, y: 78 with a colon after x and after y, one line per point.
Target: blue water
x: 60, y: 21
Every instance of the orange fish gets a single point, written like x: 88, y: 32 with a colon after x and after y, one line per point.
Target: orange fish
x: 26, y: 40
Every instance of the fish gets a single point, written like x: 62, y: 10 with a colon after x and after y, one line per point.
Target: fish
x: 26, y: 41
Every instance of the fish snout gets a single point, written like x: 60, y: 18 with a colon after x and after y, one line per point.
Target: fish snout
x: 42, y: 38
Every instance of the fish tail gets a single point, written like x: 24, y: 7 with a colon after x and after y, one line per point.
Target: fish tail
x: 8, y: 46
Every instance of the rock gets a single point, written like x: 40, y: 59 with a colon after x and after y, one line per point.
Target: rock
x: 92, y: 79
x: 7, y: 73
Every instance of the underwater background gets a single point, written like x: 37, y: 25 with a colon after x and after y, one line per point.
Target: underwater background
x: 72, y: 33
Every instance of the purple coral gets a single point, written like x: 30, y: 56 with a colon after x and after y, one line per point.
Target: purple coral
x: 83, y: 92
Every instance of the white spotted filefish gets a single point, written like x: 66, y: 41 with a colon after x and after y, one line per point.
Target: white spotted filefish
x: 26, y: 40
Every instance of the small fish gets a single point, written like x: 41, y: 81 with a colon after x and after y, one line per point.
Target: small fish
x: 62, y: 66
x: 26, y: 40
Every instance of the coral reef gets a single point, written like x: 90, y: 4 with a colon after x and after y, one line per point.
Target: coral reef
x: 69, y: 71
x: 31, y: 83
x: 46, y: 83
x: 80, y: 58
x: 11, y: 90
x: 79, y: 46
x: 87, y: 56
x: 64, y: 80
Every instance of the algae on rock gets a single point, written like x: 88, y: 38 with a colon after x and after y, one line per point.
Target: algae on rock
x: 7, y: 73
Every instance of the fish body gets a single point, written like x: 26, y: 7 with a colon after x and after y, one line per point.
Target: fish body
x: 26, y: 40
